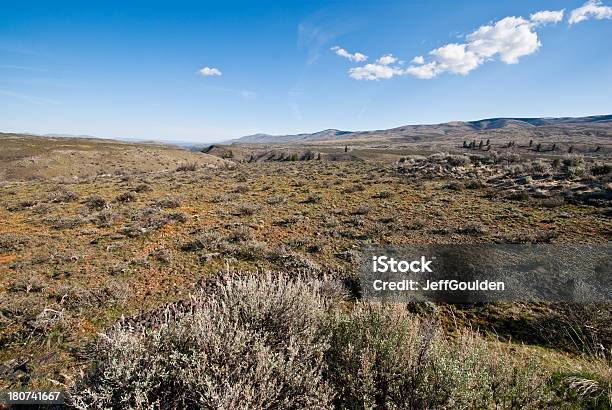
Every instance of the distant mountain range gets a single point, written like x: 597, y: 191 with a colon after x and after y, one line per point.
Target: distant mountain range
x: 561, y: 125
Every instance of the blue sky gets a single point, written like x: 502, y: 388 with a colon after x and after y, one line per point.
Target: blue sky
x: 148, y: 69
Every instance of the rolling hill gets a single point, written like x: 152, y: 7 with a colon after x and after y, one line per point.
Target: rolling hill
x: 598, y: 126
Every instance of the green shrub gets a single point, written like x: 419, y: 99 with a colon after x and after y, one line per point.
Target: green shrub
x: 383, y: 357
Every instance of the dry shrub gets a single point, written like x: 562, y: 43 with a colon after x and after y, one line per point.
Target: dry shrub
x: 187, y: 167
x: 579, y: 328
x: 11, y: 241
x: 293, y: 261
x: 588, y: 388
x: 552, y: 202
x: 169, y: 202
x: 383, y: 194
x: 128, y: 196
x: 455, y: 186
x: 276, y: 342
x: 312, y: 199
x: 145, y: 220
x: 353, y: 188
x: 458, y: 160
x: 240, y: 189
x: 240, y: 234
x: 207, y: 241
x: 65, y: 222
x: 251, y: 250
x: 361, y: 210
x: 62, y: 195
x: 221, y: 198
x: 246, y: 209
x: 254, y: 343
x: 472, y: 229
x: 415, y: 224
x: 104, y: 218
x: 142, y: 188
x: 96, y: 203
x: 383, y: 357
x: 276, y: 199
x: 591, y: 388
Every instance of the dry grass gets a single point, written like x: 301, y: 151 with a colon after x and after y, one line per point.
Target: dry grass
x: 73, y: 261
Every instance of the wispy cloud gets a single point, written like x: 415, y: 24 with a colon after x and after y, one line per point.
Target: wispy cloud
x: 29, y: 98
x: 350, y: 56
x: 210, y: 72
x: 319, y: 29
x: 313, y: 37
x: 591, y: 9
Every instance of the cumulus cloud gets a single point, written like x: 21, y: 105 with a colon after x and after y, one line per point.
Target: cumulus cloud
x: 358, y: 57
x: 510, y: 38
x: 591, y: 9
x: 458, y: 58
x: 208, y: 72
x: 547, y: 16
x: 507, y: 40
x: 385, y: 67
x: 386, y: 60
x: 418, y: 60
x: 375, y: 71
x: 423, y: 71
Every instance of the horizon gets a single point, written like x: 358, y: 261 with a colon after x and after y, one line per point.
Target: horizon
x: 178, y: 141
x: 205, y: 73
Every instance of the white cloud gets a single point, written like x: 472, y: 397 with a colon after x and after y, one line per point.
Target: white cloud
x: 508, y: 40
x: 358, y: 57
x: 456, y: 58
x: 424, y: 71
x: 374, y: 71
x: 591, y: 9
x: 547, y: 16
x: 386, y: 60
x: 208, y: 72
x: 383, y: 68
x: 418, y: 60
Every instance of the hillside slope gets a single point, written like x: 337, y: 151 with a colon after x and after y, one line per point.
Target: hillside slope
x: 598, y: 126
x: 33, y: 157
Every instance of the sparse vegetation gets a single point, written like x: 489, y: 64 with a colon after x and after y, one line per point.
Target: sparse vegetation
x: 281, y: 341
x: 137, y: 241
